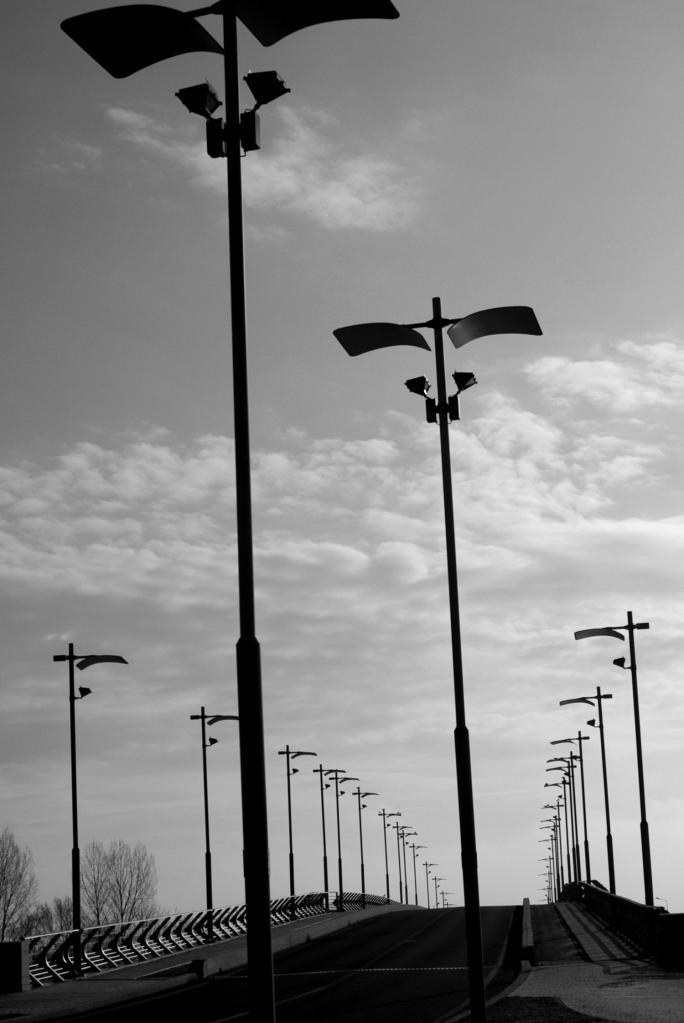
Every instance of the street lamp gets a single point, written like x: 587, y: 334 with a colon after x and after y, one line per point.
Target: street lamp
x: 415, y: 849
x: 320, y: 771
x: 427, y: 882
x: 124, y: 40
x: 405, y: 833
x: 362, y: 806
x: 366, y: 337
x: 436, y: 880
x: 81, y: 661
x: 580, y: 739
x: 599, y: 698
x: 292, y: 755
x: 571, y: 811
x: 336, y: 772
x: 208, y: 719
x: 616, y: 631
x: 384, y: 814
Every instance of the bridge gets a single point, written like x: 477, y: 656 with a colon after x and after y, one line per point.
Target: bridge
x: 592, y: 952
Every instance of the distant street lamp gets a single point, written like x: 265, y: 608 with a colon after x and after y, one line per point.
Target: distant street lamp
x: 405, y: 833
x: 397, y: 827
x: 127, y: 39
x: 415, y: 849
x: 616, y: 632
x: 580, y: 739
x: 436, y: 880
x: 569, y: 780
x: 384, y: 814
x: 362, y: 806
x: 320, y: 771
x: 366, y: 337
x: 81, y: 661
x: 292, y: 755
x: 427, y: 880
x: 599, y: 698
x: 335, y: 772
x: 208, y: 719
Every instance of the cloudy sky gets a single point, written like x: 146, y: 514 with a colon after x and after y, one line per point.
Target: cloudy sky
x: 488, y: 152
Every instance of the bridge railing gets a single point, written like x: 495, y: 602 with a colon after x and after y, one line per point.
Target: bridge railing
x: 658, y: 933
x: 110, y: 946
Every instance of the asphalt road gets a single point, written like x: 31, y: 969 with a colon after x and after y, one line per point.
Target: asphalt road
x: 407, y: 967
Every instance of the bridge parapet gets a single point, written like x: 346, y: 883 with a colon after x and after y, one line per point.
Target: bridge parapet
x: 658, y: 933
x: 110, y: 946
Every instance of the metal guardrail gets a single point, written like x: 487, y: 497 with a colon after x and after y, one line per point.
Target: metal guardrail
x: 655, y: 931
x: 111, y: 946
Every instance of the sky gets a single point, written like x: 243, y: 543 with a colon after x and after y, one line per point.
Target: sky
x: 486, y: 152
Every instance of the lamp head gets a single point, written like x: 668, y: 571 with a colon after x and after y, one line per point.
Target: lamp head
x: 199, y: 99
x: 592, y: 722
x: 464, y: 380
x: 418, y: 385
x: 83, y: 691
x: 265, y: 86
x: 619, y: 662
x: 212, y: 741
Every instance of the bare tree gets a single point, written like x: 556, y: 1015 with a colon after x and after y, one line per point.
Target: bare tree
x: 95, y: 885
x: 118, y: 884
x: 133, y: 879
x: 18, y: 885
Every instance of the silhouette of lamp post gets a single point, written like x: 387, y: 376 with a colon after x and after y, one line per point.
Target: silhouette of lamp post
x: 320, y: 771
x: 581, y: 739
x: 569, y: 780
x: 385, y: 825
x: 415, y: 849
x: 599, y: 698
x: 335, y: 773
x: 127, y: 39
x: 616, y: 632
x: 362, y: 806
x: 208, y: 719
x: 81, y: 661
x: 292, y: 755
x: 405, y: 833
x: 427, y: 880
x: 367, y: 337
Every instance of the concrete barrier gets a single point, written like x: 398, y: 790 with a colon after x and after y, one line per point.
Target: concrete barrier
x: 527, y: 940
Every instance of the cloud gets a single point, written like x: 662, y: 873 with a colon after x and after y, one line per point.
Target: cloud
x: 306, y: 169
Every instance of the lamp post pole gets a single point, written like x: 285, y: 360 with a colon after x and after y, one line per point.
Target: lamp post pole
x: 124, y: 40
x: 324, y: 785
x: 580, y: 739
x: 383, y: 813
x: 405, y: 833
x: 210, y: 719
x: 415, y: 849
x: 362, y: 806
x: 397, y: 826
x: 81, y: 661
x: 363, y: 338
x: 291, y: 755
x: 336, y: 772
x: 616, y: 631
x: 427, y: 880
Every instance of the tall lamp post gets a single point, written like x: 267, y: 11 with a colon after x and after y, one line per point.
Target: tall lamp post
x: 335, y: 773
x: 599, y: 697
x: 208, y: 719
x: 384, y: 814
x: 427, y: 880
x: 289, y: 755
x: 124, y: 40
x: 362, y: 806
x: 581, y: 739
x: 414, y: 849
x: 80, y: 661
x: 320, y: 771
x: 405, y: 833
x: 616, y: 631
x: 366, y: 337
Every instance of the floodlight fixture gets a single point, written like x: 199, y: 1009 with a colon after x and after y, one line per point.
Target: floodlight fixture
x: 619, y: 662
x: 464, y: 380
x: 83, y: 691
x: 212, y: 741
x: 418, y: 385
x: 200, y: 99
x: 265, y: 86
